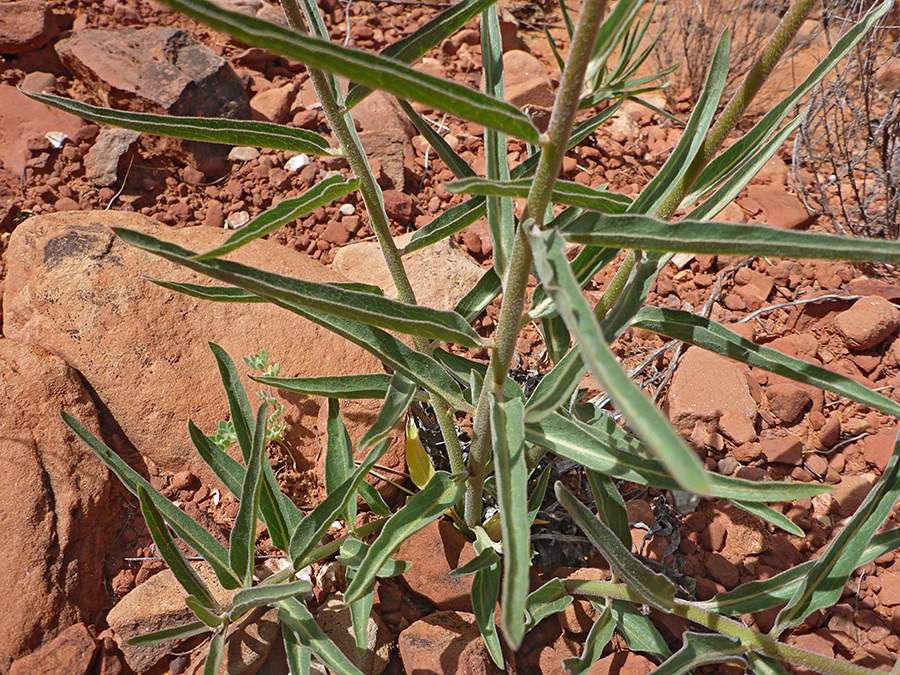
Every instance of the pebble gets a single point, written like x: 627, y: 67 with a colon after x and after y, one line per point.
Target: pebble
x: 237, y: 220
x: 347, y: 209
x: 867, y: 323
x: 297, y: 162
x: 243, y: 153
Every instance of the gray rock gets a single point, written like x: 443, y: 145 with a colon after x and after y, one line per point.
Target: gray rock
x: 334, y: 619
x: 158, y: 70
x: 108, y: 157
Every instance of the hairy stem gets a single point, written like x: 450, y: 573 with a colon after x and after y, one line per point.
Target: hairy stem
x: 564, y: 110
x: 750, y: 639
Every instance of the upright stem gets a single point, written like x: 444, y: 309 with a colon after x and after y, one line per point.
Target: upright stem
x: 564, y: 110
x: 348, y: 141
x: 715, y: 137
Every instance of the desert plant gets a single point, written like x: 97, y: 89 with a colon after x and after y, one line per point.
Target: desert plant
x: 510, y: 433
x: 846, y: 157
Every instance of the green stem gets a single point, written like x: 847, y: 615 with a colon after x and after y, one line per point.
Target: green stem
x: 565, y: 108
x: 749, y: 638
x: 737, y: 106
x: 715, y: 137
x: 342, y: 125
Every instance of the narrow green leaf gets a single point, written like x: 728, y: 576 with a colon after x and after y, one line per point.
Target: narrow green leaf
x: 208, y: 617
x: 609, y: 449
x: 243, y: 532
x: 441, y: 492
x: 338, y: 386
x: 822, y: 586
x: 400, y: 395
x: 564, y: 192
x: 373, y: 498
x: 296, y: 654
x: 678, y: 162
x: 631, y: 230
x: 260, y: 596
x: 551, y: 598
x: 448, y: 155
x: 339, y: 463
x: 170, y: 634
x: 482, y: 294
x: 647, y: 420
x: 756, y: 596
x: 702, y: 332
x: 447, y: 223
x: 485, y: 591
x: 556, y: 387
x: 556, y: 337
x: 210, y: 129
x: 654, y: 589
x: 764, y: 665
x: 770, y: 515
x: 238, y: 403
x: 353, y: 552
x: 511, y: 472
x: 284, y: 212
x: 227, y: 470
x: 297, y: 618
x: 487, y: 558
x: 187, y: 529
x: 638, y: 631
x: 589, y: 261
x: 358, y: 66
x: 311, y: 529
x: 212, y: 293
x: 173, y: 556
x: 536, y: 498
x: 414, y: 46
x: 610, y: 506
x: 594, y: 644
x: 701, y: 649
x: 462, y: 368
x: 309, y: 295
x: 215, y: 654
x: 360, y: 613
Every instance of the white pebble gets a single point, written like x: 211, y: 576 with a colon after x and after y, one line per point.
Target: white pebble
x: 243, y: 153
x: 56, y: 138
x: 347, y: 209
x: 296, y: 162
x: 237, y: 220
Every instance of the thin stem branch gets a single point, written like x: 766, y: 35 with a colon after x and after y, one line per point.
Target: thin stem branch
x: 563, y: 117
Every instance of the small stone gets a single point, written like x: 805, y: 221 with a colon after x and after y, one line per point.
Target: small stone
x: 849, y: 493
x: 525, y: 80
x: 39, y: 82
x: 25, y: 25
x: 296, y: 162
x: 70, y: 653
x: 878, y: 448
x: 777, y: 208
x: 736, y: 427
x: 335, y: 233
x: 243, y: 153
x: 445, y: 638
x: 334, y: 619
x: 306, y: 119
x: 347, y: 209
x: 783, y: 450
x: 237, y: 220
x: 787, y: 401
x: 273, y: 105
x: 889, y: 595
x: 722, y: 570
x: 434, y: 552
x: 829, y: 434
x: 398, y: 206
x: 215, y: 214
x: 867, y: 323
x: 109, y: 155
x: 66, y: 204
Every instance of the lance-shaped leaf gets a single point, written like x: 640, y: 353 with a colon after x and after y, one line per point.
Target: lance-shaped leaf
x: 488, y: 557
x: 280, y: 514
x: 691, y: 140
x: 340, y: 302
x: 654, y: 589
x: 216, y: 653
x: 412, y: 47
x: 589, y: 261
x: 211, y: 293
x: 284, y: 212
x: 187, y: 529
x: 449, y: 222
x: 609, y: 449
x: 441, y: 492
x: 564, y: 192
x: 647, y: 420
x: 536, y: 498
x: 417, y: 460
x: 243, y: 532
x: 697, y: 330
x: 360, y: 614
x: 700, y: 649
x: 207, y: 616
x: 485, y: 591
x: 359, y: 66
x: 353, y: 552
x: 551, y: 598
x: 298, y: 656
x: 638, y: 631
x: 610, y: 505
x: 338, y: 386
x: 594, y: 644
x: 400, y: 395
x: 170, y: 634
x: 482, y: 294
x: 454, y: 162
x: 632, y: 230
x: 755, y: 596
x: 339, y: 464
x: 511, y: 472
x: 211, y: 129
x: 260, y: 596
x: 556, y: 387
x: 770, y: 515
x: 297, y: 618
x: 313, y: 527
x: 822, y: 586
x: 168, y: 549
